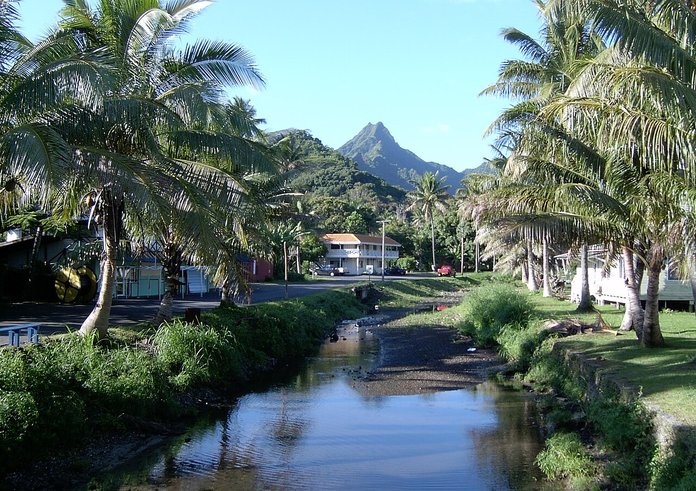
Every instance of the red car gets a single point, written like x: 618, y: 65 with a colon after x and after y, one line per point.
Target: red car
x: 446, y: 270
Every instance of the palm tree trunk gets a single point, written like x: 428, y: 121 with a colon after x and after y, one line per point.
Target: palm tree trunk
x: 525, y: 271
x: 461, y: 260
x: 299, y: 263
x: 531, y: 277
x: 432, y: 240
x: 99, y: 317
x: 692, y: 278
x: 171, y: 263
x: 166, y: 308
x: 226, y: 297
x: 547, y: 275
x: 633, y: 319
x: 285, y: 263
x: 112, y: 222
x: 585, y: 304
x: 31, y: 290
x: 652, y: 335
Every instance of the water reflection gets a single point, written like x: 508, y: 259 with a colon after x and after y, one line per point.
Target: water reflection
x: 316, y: 432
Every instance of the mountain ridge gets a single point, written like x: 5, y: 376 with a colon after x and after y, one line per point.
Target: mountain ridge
x: 375, y: 150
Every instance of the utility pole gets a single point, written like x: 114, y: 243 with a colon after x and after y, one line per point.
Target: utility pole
x: 383, y: 222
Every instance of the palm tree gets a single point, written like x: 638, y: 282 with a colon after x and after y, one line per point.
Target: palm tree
x: 38, y: 84
x: 429, y: 195
x: 643, y: 96
x: 128, y: 157
x: 548, y: 70
x: 279, y: 237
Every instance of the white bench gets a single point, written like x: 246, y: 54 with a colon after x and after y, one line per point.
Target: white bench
x: 14, y: 333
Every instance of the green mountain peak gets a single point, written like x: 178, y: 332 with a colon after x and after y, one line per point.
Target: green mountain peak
x: 376, y: 151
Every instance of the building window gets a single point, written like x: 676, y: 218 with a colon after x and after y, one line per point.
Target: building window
x: 335, y: 246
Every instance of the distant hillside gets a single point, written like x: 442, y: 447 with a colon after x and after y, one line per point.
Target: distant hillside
x: 376, y: 151
x: 322, y: 171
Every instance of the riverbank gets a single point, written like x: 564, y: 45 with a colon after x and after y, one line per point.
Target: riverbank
x: 652, y: 388
x: 129, y: 395
x: 618, y: 416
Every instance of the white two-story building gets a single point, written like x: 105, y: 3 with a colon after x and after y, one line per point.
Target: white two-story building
x: 358, y: 254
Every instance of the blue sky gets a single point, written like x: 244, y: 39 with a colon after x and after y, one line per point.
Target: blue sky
x: 332, y: 66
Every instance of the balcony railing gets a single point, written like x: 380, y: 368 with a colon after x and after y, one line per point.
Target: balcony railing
x: 356, y: 253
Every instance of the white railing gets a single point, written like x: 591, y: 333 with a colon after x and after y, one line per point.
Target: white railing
x: 355, y: 253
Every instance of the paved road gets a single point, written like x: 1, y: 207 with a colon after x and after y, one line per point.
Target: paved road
x: 55, y: 317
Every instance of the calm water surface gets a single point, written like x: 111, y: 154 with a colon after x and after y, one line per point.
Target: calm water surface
x: 318, y: 432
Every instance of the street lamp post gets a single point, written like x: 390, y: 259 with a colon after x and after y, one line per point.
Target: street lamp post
x: 383, y: 222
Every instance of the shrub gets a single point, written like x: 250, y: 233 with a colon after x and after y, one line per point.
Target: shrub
x: 408, y: 263
x: 487, y: 309
x: 674, y: 470
x: 625, y: 428
x: 18, y: 415
x: 288, y: 330
x: 687, y: 482
x: 548, y: 371
x: 13, y: 376
x: 517, y: 344
x: 565, y: 457
x: 197, y: 354
x: 129, y: 380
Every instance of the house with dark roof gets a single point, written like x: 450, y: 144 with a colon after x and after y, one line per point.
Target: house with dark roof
x: 359, y: 254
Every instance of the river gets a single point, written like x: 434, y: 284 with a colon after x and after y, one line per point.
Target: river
x: 316, y: 431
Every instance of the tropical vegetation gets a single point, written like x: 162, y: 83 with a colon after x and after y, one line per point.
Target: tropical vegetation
x: 597, y: 146
x: 62, y: 392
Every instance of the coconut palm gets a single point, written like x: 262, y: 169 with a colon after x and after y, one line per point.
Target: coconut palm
x: 38, y: 82
x: 429, y: 195
x: 546, y: 72
x: 640, y: 101
x: 130, y: 158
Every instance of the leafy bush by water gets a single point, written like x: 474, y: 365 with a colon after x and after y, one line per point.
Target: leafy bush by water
x: 625, y: 428
x: 18, y: 415
x: 198, y: 354
x: 564, y: 456
x: 487, y: 309
x: 518, y: 343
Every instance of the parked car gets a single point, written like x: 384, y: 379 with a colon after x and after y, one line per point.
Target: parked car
x: 326, y: 270
x: 446, y: 270
x: 394, y: 271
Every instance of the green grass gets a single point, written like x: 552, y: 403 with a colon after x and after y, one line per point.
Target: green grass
x: 407, y: 293
x: 53, y: 395
x: 565, y: 457
x: 666, y: 376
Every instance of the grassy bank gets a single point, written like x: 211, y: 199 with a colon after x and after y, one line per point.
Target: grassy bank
x: 63, y: 392
x: 665, y: 376
x: 602, y: 389
x: 67, y: 391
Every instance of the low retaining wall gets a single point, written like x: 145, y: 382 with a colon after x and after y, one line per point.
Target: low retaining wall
x: 672, y: 435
